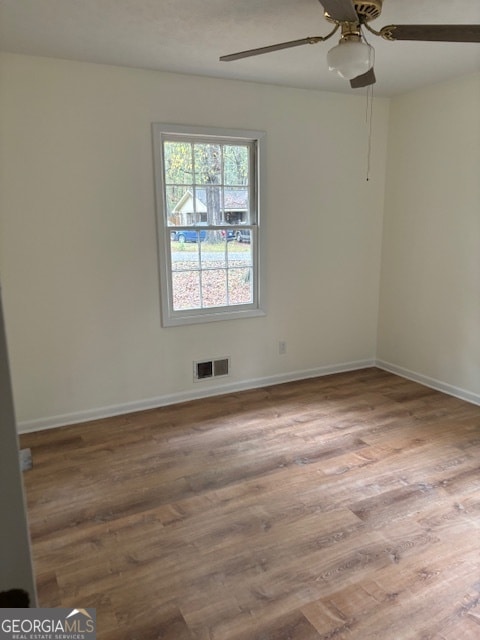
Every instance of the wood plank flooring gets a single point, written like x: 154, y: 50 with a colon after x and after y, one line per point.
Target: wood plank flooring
x: 343, y: 508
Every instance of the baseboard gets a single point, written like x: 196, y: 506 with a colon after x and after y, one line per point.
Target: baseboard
x: 438, y: 385
x: 51, y: 422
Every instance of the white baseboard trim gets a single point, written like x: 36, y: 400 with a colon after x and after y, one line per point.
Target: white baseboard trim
x: 28, y: 426
x: 433, y: 383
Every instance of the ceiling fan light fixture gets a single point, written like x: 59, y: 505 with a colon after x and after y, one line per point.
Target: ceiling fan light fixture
x: 351, y: 58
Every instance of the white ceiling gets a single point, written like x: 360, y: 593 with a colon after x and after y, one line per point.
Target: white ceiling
x: 188, y: 36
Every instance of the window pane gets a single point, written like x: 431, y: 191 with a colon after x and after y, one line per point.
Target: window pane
x: 214, y: 252
x: 186, y: 290
x: 179, y: 202
x: 240, y: 286
x: 212, y: 200
x: 236, y: 205
x: 240, y: 254
x: 243, y: 236
x: 240, y: 272
x: 208, y: 163
x: 178, y: 162
x: 184, y: 205
x: 235, y: 165
x: 185, y: 255
x: 214, y: 288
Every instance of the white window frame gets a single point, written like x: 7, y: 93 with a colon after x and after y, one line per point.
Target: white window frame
x: 171, y: 317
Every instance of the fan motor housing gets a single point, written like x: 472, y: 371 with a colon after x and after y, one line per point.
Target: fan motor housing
x: 370, y: 10
x: 366, y: 11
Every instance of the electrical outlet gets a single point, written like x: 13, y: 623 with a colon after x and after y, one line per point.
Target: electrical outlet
x: 282, y: 347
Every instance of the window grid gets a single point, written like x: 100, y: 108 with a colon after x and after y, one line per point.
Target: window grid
x: 240, y: 270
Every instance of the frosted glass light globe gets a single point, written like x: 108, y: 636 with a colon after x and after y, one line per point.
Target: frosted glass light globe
x: 350, y: 58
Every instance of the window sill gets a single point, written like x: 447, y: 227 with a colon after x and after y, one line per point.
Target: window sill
x: 211, y: 316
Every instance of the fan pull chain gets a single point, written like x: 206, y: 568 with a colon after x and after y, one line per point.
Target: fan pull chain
x: 369, y: 123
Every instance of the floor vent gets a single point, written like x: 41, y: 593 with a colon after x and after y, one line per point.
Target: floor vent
x: 211, y: 369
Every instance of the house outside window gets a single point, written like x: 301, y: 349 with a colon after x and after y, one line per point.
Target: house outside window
x: 208, y: 220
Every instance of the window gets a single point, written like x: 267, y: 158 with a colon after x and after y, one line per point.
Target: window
x: 207, y: 190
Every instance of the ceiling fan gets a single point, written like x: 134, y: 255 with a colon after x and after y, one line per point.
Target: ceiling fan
x: 353, y: 57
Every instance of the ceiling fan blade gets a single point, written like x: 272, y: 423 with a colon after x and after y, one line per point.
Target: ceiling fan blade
x: 273, y: 47
x: 364, y: 80
x: 433, y: 32
x: 340, y: 10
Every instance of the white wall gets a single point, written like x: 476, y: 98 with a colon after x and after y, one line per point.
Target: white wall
x: 430, y: 288
x: 78, y: 259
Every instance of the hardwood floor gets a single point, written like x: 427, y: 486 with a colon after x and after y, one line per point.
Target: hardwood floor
x: 344, y: 508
